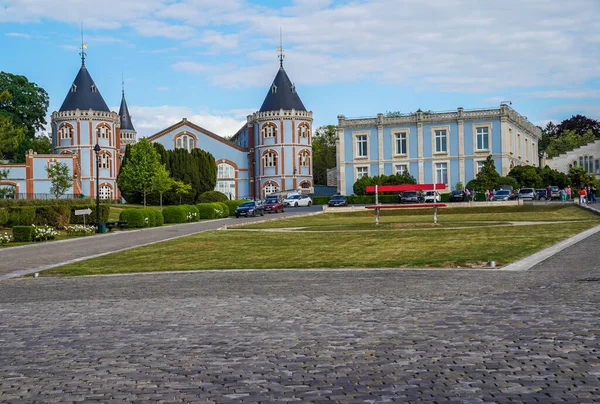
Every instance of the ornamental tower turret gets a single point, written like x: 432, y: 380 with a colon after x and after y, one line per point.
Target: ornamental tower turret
x: 280, y: 140
x: 128, y: 133
x: 83, y: 121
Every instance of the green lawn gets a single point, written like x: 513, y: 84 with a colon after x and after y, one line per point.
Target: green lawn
x: 404, y: 239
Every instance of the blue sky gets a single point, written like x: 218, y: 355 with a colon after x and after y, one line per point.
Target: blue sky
x: 213, y: 61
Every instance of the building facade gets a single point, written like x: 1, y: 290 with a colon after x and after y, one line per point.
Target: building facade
x: 83, y: 121
x: 440, y: 147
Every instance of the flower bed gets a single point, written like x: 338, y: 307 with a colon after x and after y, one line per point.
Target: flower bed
x: 79, y: 230
x: 43, y: 233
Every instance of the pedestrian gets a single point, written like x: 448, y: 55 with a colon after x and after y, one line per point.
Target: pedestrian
x: 563, y: 194
x: 582, y: 196
x: 593, y: 193
x: 569, y: 192
x: 549, y: 193
x: 467, y: 194
x: 474, y: 195
x: 588, y: 198
x: 487, y: 195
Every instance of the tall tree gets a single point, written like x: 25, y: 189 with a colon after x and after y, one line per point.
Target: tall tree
x: 579, y: 177
x: 323, y: 150
x: 182, y: 189
x: 58, y: 174
x: 142, y: 166
x: 488, y: 177
x: 568, y: 140
x: 5, y: 191
x: 580, y: 124
x: 27, y: 105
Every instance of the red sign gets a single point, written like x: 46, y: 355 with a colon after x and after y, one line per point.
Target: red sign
x: 406, y: 187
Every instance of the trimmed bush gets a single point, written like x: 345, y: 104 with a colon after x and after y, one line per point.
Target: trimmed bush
x: 56, y: 216
x: 174, y: 214
x: 149, y: 217
x: 232, y: 205
x: 104, y: 211
x: 212, y: 196
x: 225, y: 208
x: 320, y: 200
x: 21, y: 215
x: 22, y: 233
x: 191, y: 212
x: 219, y: 213
x: 160, y: 220
x: 134, y: 218
x: 207, y: 211
x: 4, y: 216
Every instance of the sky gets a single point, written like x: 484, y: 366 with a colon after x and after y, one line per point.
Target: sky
x: 213, y: 61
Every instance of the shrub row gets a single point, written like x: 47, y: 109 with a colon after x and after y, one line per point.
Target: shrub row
x: 46, y: 202
x: 142, y: 217
x: 22, y: 233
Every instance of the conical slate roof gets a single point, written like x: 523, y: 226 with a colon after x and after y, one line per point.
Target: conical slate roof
x: 126, y: 123
x: 84, y: 94
x: 282, y: 95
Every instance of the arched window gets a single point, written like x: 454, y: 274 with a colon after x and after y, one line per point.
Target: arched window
x: 270, y: 188
x: 585, y: 164
x: 302, y: 130
x: 66, y: 131
x: 304, y: 158
x: 185, y: 142
x: 270, y: 159
x: 581, y: 161
x: 597, y: 166
x: 269, y: 130
x: 574, y: 163
x: 103, y: 131
x: 105, y: 192
x: 104, y: 160
x: 305, y: 185
x: 225, y: 170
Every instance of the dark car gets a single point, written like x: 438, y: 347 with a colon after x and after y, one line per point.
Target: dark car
x: 338, y: 200
x: 273, y: 204
x: 250, y: 209
x: 541, y: 194
x: 411, y: 197
x: 458, y: 196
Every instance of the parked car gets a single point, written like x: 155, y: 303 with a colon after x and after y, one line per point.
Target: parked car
x: 432, y: 197
x: 298, y: 200
x: 338, y: 200
x: 411, y: 197
x: 502, y: 195
x: 555, y: 191
x: 541, y: 194
x: 273, y: 204
x: 247, y: 209
x: 458, y: 196
x: 527, y: 194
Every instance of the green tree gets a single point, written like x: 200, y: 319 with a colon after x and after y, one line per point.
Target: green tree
x: 579, y: 177
x: 568, y: 140
x: 488, y: 177
x: 359, y: 187
x: 526, y: 176
x: 162, y: 182
x: 27, y: 105
x: 142, y: 166
x: 459, y: 186
x: 182, y: 189
x: 58, y: 174
x: 580, y: 124
x: 4, y: 190
x: 323, y: 153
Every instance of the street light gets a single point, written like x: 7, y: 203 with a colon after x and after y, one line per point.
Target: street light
x: 97, y: 150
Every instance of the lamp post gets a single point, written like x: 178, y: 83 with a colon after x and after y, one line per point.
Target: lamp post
x: 97, y: 150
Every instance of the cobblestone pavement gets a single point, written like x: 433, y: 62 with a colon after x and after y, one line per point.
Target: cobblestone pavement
x: 436, y: 336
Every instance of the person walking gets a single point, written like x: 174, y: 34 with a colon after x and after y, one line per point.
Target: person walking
x: 467, y: 194
x: 582, y: 196
x: 487, y: 195
x: 593, y: 193
x: 563, y: 194
x: 474, y: 195
x: 548, y: 193
x: 588, y: 198
x: 569, y: 192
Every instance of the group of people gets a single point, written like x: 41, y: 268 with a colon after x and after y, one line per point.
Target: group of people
x: 587, y: 195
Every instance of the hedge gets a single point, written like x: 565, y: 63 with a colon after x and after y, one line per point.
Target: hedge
x: 22, y: 233
x: 212, y: 196
x: 8, y: 202
x: 232, y: 205
x: 191, y: 213
x: 21, y: 215
x: 174, y: 214
x: 226, y: 212
x: 4, y: 216
x: 57, y: 216
x: 159, y: 219
x: 207, y: 210
x: 134, y: 218
x: 149, y: 217
x: 91, y: 218
x: 320, y: 200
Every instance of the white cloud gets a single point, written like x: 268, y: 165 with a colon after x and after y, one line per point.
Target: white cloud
x: 163, y: 88
x: 69, y: 47
x: 18, y: 35
x: 150, y: 120
x: 584, y: 93
x: 189, y: 67
x: 158, y: 28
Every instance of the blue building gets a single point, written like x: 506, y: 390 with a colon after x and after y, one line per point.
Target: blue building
x: 440, y: 147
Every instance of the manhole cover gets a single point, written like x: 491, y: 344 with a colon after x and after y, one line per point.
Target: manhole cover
x: 591, y: 279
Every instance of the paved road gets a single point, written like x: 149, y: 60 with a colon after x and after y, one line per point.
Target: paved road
x: 444, y: 336
x: 32, y: 258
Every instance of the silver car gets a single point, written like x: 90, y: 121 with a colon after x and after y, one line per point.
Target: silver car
x: 527, y: 194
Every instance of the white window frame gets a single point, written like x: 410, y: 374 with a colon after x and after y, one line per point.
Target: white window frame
x: 434, y: 137
x: 361, y: 171
x: 270, y: 159
x: 435, y: 171
x: 476, y: 136
x: 396, y: 134
x: 185, y: 141
x: 401, y: 168
x: 270, y: 188
x: 104, y: 192
x: 477, y: 168
x: 66, y: 131
x: 104, y: 160
x: 103, y: 132
x: 302, y: 130
x: 225, y: 171
x: 226, y: 187
x: 355, y: 148
x: 303, y: 158
x: 269, y: 130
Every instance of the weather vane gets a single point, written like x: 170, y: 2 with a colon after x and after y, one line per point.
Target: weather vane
x: 83, y: 47
x: 280, y: 49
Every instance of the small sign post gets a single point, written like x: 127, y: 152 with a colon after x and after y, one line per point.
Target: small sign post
x: 83, y: 212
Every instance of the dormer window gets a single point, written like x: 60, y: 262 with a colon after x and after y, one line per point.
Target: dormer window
x: 73, y: 88
x: 94, y: 89
x: 273, y: 88
x: 293, y: 88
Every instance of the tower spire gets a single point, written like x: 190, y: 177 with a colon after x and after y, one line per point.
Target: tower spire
x: 83, y: 48
x: 280, y: 50
x: 122, y: 85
